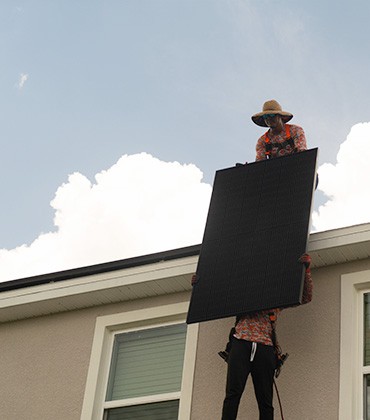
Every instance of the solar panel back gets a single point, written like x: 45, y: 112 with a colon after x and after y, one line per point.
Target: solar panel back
x: 257, y: 228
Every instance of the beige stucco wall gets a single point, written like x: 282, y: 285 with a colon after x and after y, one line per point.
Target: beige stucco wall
x: 309, y: 382
x: 44, y: 361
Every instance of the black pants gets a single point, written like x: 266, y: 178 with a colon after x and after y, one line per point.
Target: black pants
x: 262, y: 370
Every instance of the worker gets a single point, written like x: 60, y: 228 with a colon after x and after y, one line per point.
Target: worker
x: 253, y: 347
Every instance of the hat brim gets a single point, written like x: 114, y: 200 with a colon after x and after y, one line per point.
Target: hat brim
x: 259, y: 120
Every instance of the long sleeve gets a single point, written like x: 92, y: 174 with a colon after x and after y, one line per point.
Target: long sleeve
x: 307, y: 287
x: 299, y: 138
x: 261, y: 148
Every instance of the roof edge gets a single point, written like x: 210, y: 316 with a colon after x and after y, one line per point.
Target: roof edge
x: 317, y: 241
x: 172, y: 254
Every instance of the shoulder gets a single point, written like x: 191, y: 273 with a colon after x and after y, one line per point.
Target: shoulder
x: 262, y: 139
x: 295, y: 128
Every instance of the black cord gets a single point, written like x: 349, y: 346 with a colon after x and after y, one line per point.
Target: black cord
x: 281, y: 407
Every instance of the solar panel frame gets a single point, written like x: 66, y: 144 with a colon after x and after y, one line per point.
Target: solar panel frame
x: 257, y: 228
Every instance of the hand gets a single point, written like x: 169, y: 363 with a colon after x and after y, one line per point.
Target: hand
x: 306, y: 260
x: 194, y: 279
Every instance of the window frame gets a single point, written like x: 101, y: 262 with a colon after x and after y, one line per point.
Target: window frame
x: 106, y: 327
x: 352, y: 370
x: 365, y: 369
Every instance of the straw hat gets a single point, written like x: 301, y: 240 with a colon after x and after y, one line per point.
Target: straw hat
x: 271, y: 107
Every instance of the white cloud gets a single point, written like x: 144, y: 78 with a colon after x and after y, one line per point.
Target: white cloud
x: 22, y: 80
x: 346, y: 184
x: 140, y: 205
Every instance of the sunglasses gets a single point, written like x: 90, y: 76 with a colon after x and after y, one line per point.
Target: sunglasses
x: 266, y: 116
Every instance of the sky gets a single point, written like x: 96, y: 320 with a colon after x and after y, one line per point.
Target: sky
x: 115, y: 115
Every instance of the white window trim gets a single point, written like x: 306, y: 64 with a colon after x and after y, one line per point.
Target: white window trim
x: 142, y: 400
x: 105, y: 329
x: 353, y: 287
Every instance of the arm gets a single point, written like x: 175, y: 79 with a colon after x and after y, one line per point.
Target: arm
x: 307, y: 287
x: 299, y: 139
x: 261, y: 149
x: 308, y: 283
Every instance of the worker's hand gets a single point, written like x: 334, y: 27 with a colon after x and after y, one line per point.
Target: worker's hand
x: 194, y: 279
x: 306, y: 260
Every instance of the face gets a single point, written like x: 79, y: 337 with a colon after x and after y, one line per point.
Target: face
x: 273, y: 120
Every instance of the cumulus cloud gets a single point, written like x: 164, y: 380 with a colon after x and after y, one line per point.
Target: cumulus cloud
x: 140, y: 205
x: 346, y: 183
x: 22, y: 80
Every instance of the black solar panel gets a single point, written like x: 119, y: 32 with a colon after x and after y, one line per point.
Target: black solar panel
x: 257, y: 228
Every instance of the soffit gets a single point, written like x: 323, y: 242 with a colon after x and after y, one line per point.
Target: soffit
x: 340, y: 246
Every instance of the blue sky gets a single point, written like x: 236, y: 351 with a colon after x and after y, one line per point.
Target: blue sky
x: 86, y: 82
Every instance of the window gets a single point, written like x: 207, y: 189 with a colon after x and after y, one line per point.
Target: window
x: 141, y: 366
x: 354, y: 389
x: 147, y: 363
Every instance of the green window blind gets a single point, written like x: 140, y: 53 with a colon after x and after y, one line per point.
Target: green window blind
x: 147, y: 362
x: 367, y: 329
x: 167, y: 410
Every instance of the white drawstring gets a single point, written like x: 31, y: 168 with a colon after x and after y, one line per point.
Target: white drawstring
x: 253, y: 352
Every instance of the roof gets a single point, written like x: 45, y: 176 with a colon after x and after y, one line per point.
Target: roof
x: 100, y: 268
x: 340, y: 246
x: 147, y: 276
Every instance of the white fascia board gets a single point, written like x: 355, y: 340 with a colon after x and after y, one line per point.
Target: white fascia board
x: 96, y: 282
x: 339, y: 237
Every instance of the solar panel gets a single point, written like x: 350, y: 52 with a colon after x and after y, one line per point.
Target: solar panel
x: 257, y: 228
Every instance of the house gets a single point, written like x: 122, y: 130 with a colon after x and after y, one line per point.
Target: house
x: 109, y: 341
